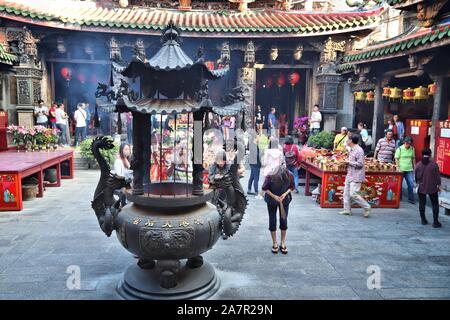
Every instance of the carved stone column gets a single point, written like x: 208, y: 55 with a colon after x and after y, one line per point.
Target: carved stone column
x: 378, y: 116
x: 28, y: 73
x: 247, y: 80
x: 327, y: 84
x: 437, y: 105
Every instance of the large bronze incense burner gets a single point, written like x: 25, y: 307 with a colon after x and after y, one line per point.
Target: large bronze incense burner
x: 169, y: 221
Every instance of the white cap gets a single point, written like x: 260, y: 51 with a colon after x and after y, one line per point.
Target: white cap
x: 344, y: 128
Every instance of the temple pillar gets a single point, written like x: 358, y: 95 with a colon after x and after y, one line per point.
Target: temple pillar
x: 437, y: 106
x: 247, y: 80
x: 197, y: 166
x: 378, y: 115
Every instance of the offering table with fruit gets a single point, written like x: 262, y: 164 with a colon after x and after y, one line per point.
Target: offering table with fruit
x: 381, y: 188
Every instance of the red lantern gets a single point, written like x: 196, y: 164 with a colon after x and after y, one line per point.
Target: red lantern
x: 281, y: 80
x: 269, y: 82
x: 210, y: 65
x: 294, y: 78
x: 66, y: 73
x: 80, y: 77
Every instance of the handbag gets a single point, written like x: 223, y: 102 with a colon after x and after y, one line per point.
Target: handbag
x: 369, y: 141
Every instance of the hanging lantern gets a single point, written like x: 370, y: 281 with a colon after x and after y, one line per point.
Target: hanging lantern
x: 66, y: 73
x: 359, y: 95
x: 386, y: 92
x: 395, y: 93
x: 294, y: 78
x: 408, y: 94
x: 420, y: 93
x: 431, y: 89
x: 370, y: 96
x: 210, y: 65
x: 281, y: 81
x: 81, y: 77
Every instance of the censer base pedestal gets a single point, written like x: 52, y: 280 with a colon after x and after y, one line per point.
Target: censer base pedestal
x: 144, y: 284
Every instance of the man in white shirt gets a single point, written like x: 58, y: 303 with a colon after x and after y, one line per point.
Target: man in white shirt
x: 61, y: 123
x: 315, y: 120
x: 41, y: 114
x: 80, y: 119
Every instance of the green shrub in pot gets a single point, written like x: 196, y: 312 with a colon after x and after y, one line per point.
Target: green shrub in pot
x: 86, y: 152
x: 323, y: 139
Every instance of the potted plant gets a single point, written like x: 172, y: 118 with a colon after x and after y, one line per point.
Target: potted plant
x: 18, y: 136
x: 323, y: 139
x: 86, y: 152
x: 40, y: 136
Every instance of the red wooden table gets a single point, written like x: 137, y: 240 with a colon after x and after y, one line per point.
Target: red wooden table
x: 381, y: 189
x: 14, y: 166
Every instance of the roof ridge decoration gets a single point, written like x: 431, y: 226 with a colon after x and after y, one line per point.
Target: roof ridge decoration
x: 362, y: 3
x: 89, y: 16
x: 421, y: 39
x: 6, y: 57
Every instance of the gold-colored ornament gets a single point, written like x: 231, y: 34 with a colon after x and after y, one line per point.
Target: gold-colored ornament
x: 330, y: 50
x: 150, y: 223
x: 167, y: 225
x: 359, y: 95
x: 396, y: 93
x: 184, y: 224
x: 420, y: 93
x: 136, y: 221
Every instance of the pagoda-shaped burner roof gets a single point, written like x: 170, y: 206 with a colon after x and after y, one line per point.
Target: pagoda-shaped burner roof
x: 171, y: 57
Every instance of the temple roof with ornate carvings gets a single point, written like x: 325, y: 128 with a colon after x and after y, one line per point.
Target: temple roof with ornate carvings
x: 253, y: 22
x: 414, y: 40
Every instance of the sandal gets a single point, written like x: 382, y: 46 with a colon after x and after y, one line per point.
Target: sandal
x: 275, y: 249
x: 284, y: 249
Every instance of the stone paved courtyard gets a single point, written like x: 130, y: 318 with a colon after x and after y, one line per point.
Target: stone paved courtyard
x: 328, y: 253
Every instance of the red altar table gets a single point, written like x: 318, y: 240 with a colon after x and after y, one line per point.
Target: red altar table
x: 381, y: 189
x: 14, y: 166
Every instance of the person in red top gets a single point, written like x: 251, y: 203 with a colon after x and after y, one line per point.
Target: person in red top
x: 292, y: 158
x: 52, y: 116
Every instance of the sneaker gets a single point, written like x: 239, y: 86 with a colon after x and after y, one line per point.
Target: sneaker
x: 251, y: 193
x: 412, y: 201
x: 345, y: 213
x: 424, y: 222
x: 367, y: 213
x: 259, y: 197
x: 437, y: 224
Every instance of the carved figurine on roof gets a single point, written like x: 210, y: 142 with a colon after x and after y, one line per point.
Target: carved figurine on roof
x: 361, y: 4
x: 24, y: 44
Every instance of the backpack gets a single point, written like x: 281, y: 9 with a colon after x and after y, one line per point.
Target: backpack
x: 291, y: 157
